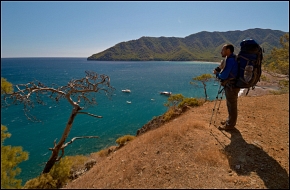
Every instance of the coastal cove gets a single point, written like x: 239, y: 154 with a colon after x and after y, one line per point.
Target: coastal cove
x: 145, y: 80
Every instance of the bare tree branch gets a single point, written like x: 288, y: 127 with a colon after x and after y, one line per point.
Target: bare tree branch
x: 54, y: 142
x: 75, y: 138
x: 97, y: 116
x: 78, y: 88
x: 62, y: 153
x: 77, y: 92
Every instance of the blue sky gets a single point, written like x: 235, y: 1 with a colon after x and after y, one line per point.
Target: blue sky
x: 80, y: 29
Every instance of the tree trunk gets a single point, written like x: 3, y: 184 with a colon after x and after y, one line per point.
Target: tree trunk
x: 204, y: 87
x: 57, y: 148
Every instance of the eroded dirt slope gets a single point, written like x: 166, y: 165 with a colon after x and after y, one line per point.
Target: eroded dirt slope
x: 188, y: 153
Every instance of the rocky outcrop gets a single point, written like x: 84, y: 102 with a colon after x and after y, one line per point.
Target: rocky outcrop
x: 112, y: 149
x: 153, y: 124
x: 160, y: 120
x: 88, y: 165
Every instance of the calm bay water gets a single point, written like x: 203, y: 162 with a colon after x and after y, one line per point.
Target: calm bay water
x: 144, y: 79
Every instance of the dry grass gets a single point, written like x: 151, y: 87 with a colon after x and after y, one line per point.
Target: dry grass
x: 187, y: 153
x: 78, y: 161
x: 124, y: 140
x: 165, y: 155
x: 103, y: 153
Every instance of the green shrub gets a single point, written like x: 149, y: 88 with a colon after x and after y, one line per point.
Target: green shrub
x: 169, y: 114
x: 44, y: 181
x: 78, y: 161
x: 264, y: 78
x: 283, y: 88
x: 6, y: 87
x: 173, y: 100
x: 11, y: 156
x: 172, y: 111
x: 61, y: 171
x: 56, y: 178
x: 123, y: 140
x: 103, y: 153
x: 193, y: 102
x: 284, y: 85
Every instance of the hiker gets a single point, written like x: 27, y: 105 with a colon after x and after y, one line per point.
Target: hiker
x: 227, y: 77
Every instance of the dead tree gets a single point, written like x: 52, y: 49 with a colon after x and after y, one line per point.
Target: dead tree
x: 76, y: 92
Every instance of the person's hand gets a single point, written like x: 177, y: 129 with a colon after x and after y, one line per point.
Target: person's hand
x: 218, y: 69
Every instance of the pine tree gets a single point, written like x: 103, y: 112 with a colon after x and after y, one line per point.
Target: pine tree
x: 6, y: 87
x: 10, y: 156
x: 204, y: 78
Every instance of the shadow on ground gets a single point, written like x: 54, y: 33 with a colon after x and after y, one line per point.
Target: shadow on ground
x: 245, y: 158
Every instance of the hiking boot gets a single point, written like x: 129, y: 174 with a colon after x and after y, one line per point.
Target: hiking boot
x: 226, y: 128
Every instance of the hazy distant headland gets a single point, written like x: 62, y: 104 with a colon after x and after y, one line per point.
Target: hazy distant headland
x: 202, y: 46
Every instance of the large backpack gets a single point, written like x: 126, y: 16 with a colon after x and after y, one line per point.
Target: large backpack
x: 249, y: 64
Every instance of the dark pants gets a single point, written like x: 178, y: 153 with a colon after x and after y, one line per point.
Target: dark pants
x: 232, y: 104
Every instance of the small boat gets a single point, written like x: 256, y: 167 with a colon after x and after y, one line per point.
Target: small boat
x: 126, y: 90
x: 128, y: 102
x: 166, y: 93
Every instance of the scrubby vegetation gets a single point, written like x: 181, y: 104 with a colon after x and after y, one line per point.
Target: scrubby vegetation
x: 283, y: 88
x: 169, y: 114
x: 10, y: 158
x: 124, y: 139
x: 192, y: 102
x: 173, y: 100
x: 6, y: 87
x: 77, y: 161
x: 56, y: 178
x: 264, y: 78
x: 178, y: 104
x: 103, y: 153
x: 278, y: 60
x: 67, y: 169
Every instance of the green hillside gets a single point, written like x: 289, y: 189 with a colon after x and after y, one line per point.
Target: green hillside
x: 202, y: 46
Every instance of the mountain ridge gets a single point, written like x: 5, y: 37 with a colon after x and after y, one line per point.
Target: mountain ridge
x: 201, y: 46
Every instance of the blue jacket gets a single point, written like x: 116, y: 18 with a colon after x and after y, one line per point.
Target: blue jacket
x: 230, y: 70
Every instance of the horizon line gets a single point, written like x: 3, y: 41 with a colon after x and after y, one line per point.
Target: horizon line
x: 42, y: 57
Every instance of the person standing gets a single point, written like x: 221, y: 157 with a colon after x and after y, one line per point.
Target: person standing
x: 227, y: 77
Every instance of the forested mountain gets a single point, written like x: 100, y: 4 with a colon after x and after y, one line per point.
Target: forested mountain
x: 202, y: 46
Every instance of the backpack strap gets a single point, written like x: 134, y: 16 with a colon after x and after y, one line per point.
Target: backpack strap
x: 244, y: 57
x: 248, y: 60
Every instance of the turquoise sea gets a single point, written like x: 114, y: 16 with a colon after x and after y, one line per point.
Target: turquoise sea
x: 144, y: 79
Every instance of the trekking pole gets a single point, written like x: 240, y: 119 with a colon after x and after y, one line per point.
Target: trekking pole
x: 214, y: 105
x: 222, y: 91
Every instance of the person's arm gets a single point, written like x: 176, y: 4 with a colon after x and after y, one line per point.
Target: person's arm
x: 226, y: 72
